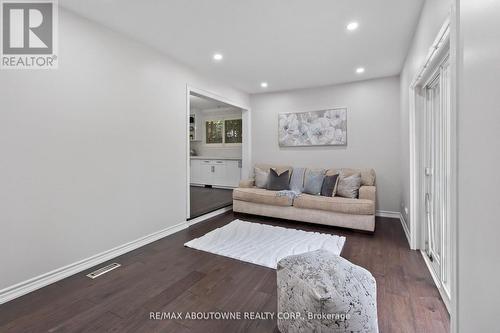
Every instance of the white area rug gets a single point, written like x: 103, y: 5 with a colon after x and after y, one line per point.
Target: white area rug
x: 263, y: 244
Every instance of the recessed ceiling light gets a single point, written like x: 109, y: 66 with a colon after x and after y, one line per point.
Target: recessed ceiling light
x: 263, y: 85
x: 218, y: 57
x: 352, y: 26
x: 360, y: 70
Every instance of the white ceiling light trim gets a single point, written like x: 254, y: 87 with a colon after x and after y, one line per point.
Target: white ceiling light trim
x: 360, y: 70
x: 264, y: 85
x: 351, y: 26
x: 217, y: 56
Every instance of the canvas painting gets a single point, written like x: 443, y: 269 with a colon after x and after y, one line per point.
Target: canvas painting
x: 314, y: 128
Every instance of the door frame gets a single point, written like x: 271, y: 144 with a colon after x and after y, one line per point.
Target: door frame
x: 245, y: 146
x: 440, y: 48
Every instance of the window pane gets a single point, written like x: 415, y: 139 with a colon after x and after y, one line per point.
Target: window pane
x: 214, y: 131
x: 233, y: 131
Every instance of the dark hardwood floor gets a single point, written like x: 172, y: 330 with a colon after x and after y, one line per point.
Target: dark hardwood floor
x: 166, y: 276
x: 205, y: 200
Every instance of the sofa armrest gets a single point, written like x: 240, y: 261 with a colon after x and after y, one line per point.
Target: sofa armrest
x: 367, y: 192
x: 247, y: 183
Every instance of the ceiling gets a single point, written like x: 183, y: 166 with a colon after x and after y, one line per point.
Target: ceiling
x: 288, y: 43
x: 204, y: 103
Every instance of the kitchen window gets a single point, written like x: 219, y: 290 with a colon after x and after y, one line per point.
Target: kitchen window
x: 224, y: 131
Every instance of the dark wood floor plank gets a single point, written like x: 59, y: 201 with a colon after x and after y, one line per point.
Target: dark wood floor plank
x: 90, y: 322
x: 166, y: 276
x: 50, y: 316
x: 205, y: 200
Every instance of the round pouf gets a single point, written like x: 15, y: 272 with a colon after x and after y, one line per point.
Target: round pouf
x: 321, y: 292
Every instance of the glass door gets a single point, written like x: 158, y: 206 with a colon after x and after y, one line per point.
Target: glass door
x: 437, y: 160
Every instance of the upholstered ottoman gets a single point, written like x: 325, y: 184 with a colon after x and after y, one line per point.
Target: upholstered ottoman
x: 322, y: 292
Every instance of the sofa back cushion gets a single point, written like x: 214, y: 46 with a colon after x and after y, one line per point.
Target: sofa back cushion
x: 367, y: 174
x: 279, y: 168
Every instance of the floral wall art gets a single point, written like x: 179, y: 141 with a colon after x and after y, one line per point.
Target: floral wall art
x: 313, y: 128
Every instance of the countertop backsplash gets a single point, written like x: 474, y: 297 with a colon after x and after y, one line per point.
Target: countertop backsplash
x: 216, y: 152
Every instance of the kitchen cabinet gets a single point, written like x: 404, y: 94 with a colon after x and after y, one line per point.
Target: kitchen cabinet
x: 215, y: 172
x: 219, y: 174
x: 195, y: 169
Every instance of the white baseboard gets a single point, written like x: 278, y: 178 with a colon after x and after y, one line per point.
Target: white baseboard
x: 209, y: 215
x: 405, y: 229
x: 43, y: 280
x: 387, y: 213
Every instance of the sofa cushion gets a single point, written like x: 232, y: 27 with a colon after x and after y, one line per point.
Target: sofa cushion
x: 336, y: 204
x: 247, y: 183
x: 329, y: 187
x: 279, y: 168
x: 261, y: 178
x: 313, y: 181
x: 278, y: 182
x: 367, y: 175
x: 367, y: 192
x: 297, y: 179
x: 259, y: 195
x: 348, y: 186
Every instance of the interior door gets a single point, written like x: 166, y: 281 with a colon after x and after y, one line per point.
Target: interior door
x: 437, y: 161
x: 431, y: 200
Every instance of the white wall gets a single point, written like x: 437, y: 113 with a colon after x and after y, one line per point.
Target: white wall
x: 478, y: 165
x: 372, y: 131
x: 432, y: 18
x: 93, y: 155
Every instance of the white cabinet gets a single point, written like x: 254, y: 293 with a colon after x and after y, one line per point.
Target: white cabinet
x: 219, y: 173
x: 224, y: 173
x: 233, y: 172
x: 195, y: 171
x: 206, y: 171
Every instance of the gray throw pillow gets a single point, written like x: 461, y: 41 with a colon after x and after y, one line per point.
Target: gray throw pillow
x: 329, y: 186
x: 348, y: 187
x: 261, y: 177
x: 313, y: 181
x: 297, y: 179
x: 277, y: 182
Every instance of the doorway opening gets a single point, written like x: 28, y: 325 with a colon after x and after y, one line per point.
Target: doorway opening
x: 217, y: 139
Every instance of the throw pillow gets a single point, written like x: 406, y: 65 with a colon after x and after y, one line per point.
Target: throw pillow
x: 313, y: 181
x: 329, y: 185
x: 348, y: 187
x: 277, y: 182
x: 261, y: 177
x: 297, y: 180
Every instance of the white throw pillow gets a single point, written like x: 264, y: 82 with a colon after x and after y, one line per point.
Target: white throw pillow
x: 261, y: 178
x: 348, y: 187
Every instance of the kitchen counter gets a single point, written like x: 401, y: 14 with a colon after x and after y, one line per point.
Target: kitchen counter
x: 215, y: 158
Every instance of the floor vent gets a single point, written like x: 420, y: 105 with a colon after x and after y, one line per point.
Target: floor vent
x: 103, y: 270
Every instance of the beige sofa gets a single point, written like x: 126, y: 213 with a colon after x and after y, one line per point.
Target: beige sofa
x: 336, y: 211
